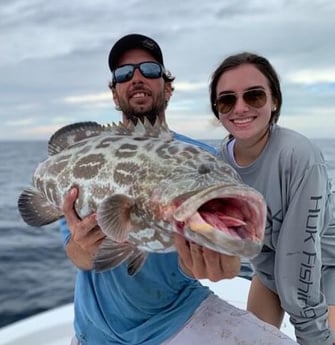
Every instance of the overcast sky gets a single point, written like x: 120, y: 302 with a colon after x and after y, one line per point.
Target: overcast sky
x: 53, y: 59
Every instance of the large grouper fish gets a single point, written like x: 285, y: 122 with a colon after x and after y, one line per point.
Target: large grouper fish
x: 144, y: 185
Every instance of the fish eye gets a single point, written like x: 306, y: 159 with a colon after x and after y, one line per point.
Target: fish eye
x: 204, y: 169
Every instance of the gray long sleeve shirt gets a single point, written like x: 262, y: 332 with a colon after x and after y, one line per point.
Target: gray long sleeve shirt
x: 298, y: 257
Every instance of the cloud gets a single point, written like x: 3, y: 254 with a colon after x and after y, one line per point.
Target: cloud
x: 41, y: 131
x: 313, y: 76
x: 18, y: 123
x: 189, y: 86
x: 53, y: 61
x: 90, y: 98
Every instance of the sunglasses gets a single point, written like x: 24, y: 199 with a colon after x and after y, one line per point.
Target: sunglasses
x: 150, y: 70
x: 254, y: 98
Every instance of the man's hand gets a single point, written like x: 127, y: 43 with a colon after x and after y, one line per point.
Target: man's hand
x: 202, y: 263
x: 86, y: 236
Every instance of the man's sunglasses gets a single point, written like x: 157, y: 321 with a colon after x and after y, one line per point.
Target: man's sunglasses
x: 254, y: 98
x: 149, y: 69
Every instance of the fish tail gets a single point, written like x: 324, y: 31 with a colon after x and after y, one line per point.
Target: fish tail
x: 35, y: 209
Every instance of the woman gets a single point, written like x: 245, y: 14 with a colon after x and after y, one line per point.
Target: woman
x: 295, y: 271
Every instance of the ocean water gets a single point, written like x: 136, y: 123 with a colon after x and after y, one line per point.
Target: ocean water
x: 35, y: 274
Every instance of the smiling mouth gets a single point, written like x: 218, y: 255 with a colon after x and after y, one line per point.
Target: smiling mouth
x: 139, y: 95
x: 243, y: 121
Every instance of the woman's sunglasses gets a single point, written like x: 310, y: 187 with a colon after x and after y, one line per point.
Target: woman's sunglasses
x: 150, y: 70
x: 254, y: 98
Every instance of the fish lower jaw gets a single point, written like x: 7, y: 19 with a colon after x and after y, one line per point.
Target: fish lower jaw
x: 226, y: 243
x: 209, y: 224
x: 239, y: 237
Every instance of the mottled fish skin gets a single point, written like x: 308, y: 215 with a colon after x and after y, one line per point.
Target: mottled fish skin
x: 144, y: 186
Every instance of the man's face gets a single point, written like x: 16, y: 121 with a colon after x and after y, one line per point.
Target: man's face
x: 141, y: 97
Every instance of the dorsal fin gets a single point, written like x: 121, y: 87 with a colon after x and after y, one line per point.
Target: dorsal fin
x: 146, y: 129
x: 71, y: 134
x: 141, y: 129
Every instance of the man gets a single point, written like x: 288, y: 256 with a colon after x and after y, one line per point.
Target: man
x: 164, y: 303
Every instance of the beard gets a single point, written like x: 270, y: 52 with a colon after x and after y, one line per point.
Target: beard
x: 132, y: 114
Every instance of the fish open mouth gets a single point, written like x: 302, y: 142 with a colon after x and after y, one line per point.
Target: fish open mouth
x: 229, y: 219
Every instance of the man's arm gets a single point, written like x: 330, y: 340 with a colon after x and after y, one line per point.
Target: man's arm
x: 202, y: 263
x: 86, y: 236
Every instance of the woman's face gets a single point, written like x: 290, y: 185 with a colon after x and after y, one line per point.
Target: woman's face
x: 245, y: 121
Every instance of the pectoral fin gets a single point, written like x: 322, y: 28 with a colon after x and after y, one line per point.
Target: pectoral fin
x: 136, y: 261
x: 112, y: 254
x: 113, y: 216
x: 117, y: 215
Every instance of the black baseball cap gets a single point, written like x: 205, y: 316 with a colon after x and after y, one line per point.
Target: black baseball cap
x: 133, y: 41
